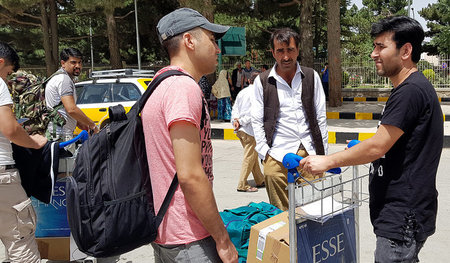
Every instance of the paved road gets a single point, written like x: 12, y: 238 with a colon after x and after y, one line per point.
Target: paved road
x: 227, y: 161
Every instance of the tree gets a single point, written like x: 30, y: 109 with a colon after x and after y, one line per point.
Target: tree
x: 306, y: 35
x: 204, y: 7
x: 334, y: 54
x: 43, y: 14
x: 438, y: 16
x: 357, y: 41
x: 108, y: 7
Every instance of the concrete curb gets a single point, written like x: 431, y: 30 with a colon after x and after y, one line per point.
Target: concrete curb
x: 333, y: 137
x: 382, y: 99
x: 362, y: 115
x: 361, y: 99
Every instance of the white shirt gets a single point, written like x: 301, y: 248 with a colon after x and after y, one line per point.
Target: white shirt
x: 57, y: 87
x: 5, y: 145
x: 291, y: 128
x: 242, y: 110
x: 239, y: 77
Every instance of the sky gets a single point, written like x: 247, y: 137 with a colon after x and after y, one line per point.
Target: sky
x: 417, y: 5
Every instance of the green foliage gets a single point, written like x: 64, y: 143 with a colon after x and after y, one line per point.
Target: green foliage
x: 423, y: 64
x: 259, y: 17
x: 18, y: 6
x: 358, y: 43
x: 429, y: 74
x: 345, y: 78
x: 438, y: 16
x: 107, y: 5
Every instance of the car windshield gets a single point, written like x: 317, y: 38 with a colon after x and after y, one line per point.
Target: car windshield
x: 94, y: 93
x: 125, y: 92
x: 107, y: 92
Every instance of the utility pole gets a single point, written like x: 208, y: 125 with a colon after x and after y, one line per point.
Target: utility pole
x: 92, y: 49
x: 137, y: 35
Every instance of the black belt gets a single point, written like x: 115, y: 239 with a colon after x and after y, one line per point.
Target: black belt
x: 9, y: 166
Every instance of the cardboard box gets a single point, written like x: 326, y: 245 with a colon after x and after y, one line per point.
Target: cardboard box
x: 269, y: 240
x: 332, y: 241
x: 54, y: 248
x: 52, y: 217
x: 52, y: 228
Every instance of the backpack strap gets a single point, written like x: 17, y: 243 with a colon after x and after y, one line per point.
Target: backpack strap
x: 58, y: 72
x: 117, y: 114
x: 141, y: 103
x: 155, y: 83
x: 56, y: 123
x: 165, y: 205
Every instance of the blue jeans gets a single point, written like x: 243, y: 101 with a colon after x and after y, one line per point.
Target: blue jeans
x: 203, y: 250
x: 389, y: 250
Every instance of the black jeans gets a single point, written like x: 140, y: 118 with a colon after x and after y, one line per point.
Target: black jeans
x: 389, y: 250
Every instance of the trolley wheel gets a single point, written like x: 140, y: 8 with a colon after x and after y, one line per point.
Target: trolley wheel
x: 88, y: 260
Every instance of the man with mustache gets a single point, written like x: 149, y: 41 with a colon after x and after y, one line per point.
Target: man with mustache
x: 61, y: 89
x: 288, y: 114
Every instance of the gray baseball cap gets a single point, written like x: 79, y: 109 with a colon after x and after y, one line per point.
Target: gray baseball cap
x: 185, y: 19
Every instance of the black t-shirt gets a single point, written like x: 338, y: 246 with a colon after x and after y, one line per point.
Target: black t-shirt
x: 403, y: 195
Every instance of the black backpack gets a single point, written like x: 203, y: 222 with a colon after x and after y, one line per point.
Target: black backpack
x: 109, y: 195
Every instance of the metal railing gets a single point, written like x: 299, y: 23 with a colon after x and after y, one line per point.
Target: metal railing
x: 362, y: 72
x: 355, y: 72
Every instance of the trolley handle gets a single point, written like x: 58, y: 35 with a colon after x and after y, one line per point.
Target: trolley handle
x: 291, y: 161
x: 83, y: 136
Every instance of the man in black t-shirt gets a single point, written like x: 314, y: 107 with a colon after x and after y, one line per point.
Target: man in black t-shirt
x: 405, y: 150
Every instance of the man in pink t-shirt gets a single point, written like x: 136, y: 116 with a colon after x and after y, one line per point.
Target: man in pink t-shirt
x: 178, y: 140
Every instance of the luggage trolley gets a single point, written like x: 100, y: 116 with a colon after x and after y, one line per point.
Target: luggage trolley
x: 324, y: 203
x: 57, y: 230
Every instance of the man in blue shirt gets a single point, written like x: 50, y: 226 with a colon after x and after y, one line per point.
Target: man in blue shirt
x: 325, y: 80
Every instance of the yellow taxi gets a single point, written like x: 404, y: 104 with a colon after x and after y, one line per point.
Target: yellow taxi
x: 109, y: 88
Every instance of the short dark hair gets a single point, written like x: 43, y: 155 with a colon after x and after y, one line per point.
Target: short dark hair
x: 9, y: 55
x: 284, y: 35
x: 253, y: 76
x: 405, y: 29
x: 265, y: 67
x: 171, y: 45
x: 70, y: 52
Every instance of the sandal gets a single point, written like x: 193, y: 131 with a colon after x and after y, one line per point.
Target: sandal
x: 251, y: 189
x: 261, y: 185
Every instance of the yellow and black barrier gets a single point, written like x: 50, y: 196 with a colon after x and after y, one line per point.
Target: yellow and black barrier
x: 333, y: 137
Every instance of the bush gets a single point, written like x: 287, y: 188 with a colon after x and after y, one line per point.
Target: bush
x: 345, y: 78
x: 429, y: 74
x: 355, y: 80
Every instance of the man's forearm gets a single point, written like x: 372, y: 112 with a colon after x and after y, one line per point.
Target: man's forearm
x: 80, y: 117
x: 13, y: 131
x: 21, y: 138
